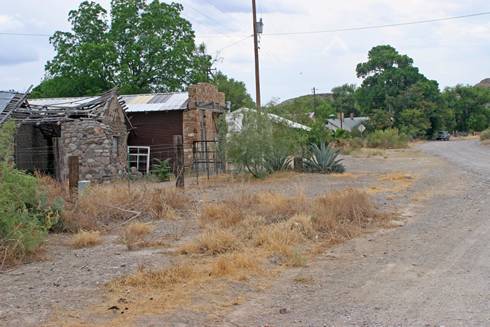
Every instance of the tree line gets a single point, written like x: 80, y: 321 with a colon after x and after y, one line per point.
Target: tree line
x: 395, y: 94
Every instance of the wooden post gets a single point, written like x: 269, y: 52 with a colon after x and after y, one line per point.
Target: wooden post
x: 179, y: 161
x: 298, y: 164
x: 73, y: 175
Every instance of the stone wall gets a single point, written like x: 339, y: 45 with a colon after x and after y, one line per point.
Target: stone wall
x: 200, y: 94
x: 102, y: 151
x: 101, y: 145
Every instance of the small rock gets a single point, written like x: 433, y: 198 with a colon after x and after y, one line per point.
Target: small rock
x: 283, y: 311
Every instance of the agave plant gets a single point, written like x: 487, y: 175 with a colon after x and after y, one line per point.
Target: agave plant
x: 323, y: 159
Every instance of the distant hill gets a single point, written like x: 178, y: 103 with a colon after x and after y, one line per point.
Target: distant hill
x: 322, y: 96
x: 485, y: 83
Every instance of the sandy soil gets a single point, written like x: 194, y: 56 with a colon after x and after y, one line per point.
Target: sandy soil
x: 393, y: 277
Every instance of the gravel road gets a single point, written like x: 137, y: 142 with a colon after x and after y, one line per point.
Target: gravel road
x: 433, y: 271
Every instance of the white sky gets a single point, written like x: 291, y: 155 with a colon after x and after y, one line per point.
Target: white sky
x: 450, y: 52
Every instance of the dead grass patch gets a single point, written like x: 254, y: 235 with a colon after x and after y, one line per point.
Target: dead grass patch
x: 85, y: 239
x: 268, y: 233
x: 156, y: 279
x: 213, y: 242
x: 236, y: 264
x: 133, y: 235
x: 101, y: 205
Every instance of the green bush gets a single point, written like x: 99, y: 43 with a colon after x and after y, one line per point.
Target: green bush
x: 262, y: 147
x: 387, y: 139
x: 323, y: 159
x: 162, y: 170
x: 485, y: 135
x: 25, y: 213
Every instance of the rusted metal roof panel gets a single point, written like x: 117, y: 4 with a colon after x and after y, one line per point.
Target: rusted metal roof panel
x: 134, y: 103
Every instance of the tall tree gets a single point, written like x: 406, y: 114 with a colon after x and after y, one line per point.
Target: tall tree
x: 235, y: 91
x: 146, y: 46
x: 344, y: 99
x: 392, y: 83
x: 471, y: 107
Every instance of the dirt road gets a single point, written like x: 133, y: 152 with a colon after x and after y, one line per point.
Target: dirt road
x: 434, y: 271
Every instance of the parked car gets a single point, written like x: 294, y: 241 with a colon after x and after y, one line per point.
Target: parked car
x: 443, y: 136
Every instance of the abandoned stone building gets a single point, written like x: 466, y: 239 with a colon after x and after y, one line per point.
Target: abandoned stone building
x: 155, y: 119
x: 95, y: 131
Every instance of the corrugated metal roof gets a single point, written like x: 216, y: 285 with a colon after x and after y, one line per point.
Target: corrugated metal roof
x: 5, y: 98
x: 235, y: 120
x: 348, y: 123
x: 135, y: 103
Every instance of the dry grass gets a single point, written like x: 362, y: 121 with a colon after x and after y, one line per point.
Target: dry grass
x: 247, y: 239
x: 133, y: 235
x: 102, y: 205
x: 156, y: 279
x: 235, y: 264
x: 85, y: 239
x: 213, y: 242
x: 343, y: 213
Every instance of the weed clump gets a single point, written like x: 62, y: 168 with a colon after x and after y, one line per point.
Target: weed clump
x: 389, y: 138
x: 134, y: 235
x: 85, y: 239
x: 485, y: 135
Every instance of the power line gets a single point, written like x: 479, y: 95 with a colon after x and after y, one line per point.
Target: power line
x: 371, y: 27
x: 25, y: 34
x: 235, y: 43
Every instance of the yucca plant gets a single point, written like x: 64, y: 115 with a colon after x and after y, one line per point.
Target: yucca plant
x: 323, y: 159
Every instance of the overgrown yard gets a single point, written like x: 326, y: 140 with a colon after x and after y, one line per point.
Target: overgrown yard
x: 149, y: 251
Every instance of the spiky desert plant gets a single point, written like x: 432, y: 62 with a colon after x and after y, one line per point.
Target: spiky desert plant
x: 324, y: 159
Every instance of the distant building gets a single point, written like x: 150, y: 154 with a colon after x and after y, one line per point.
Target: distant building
x: 350, y: 124
x: 234, y: 120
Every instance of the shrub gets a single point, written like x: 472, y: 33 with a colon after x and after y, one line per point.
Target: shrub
x: 485, y: 135
x: 262, y: 147
x: 26, y: 213
x: 84, y: 239
x: 162, y: 170
x: 324, y: 159
x: 387, y: 139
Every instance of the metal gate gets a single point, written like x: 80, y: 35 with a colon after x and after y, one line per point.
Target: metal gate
x: 207, y: 158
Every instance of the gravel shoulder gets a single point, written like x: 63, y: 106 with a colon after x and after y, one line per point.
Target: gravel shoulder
x: 434, y: 271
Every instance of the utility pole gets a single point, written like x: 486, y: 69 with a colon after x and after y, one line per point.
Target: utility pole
x: 257, y: 30
x: 314, y: 98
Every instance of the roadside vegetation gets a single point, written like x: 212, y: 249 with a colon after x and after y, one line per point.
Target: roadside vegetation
x: 26, y: 212
x: 246, y: 238
x: 485, y: 136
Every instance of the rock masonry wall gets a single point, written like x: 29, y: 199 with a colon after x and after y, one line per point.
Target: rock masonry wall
x: 202, y: 93
x: 101, y: 145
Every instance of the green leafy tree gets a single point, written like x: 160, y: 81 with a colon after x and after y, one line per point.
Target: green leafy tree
x: 345, y: 100
x: 392, y: 83
x: 235, y: 91
x: 414, y: 123
x: 146, y: 46
x: 470, y: 106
